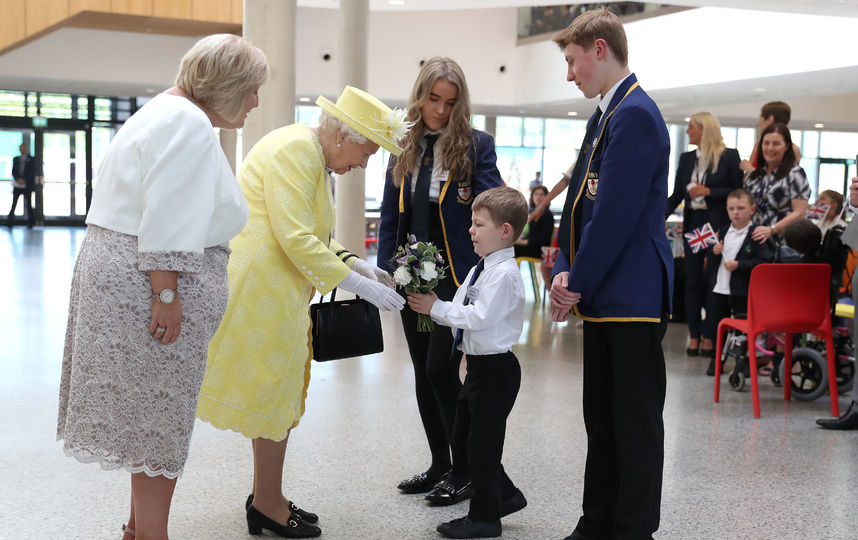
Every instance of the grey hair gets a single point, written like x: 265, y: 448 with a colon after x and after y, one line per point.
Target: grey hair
x: 329, y: 122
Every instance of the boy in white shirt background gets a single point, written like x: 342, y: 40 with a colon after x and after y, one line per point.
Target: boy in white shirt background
x: 730, y: 263
x: 487, y: 317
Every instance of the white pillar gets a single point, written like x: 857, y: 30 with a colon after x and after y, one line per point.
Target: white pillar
x: 270, y: 25
x: 228, y: 143
x: 351, y: 190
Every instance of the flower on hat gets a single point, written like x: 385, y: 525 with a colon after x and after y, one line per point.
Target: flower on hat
x: 393, y: 125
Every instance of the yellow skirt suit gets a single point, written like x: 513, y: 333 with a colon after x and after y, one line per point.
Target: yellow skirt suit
x: 259, y: 359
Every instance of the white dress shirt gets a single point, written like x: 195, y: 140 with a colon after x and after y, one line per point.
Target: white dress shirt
x: 732, y: 243
x: 606, y: 100
x: 493, y: 320
x: 439, y: 173
x: 166, y: 180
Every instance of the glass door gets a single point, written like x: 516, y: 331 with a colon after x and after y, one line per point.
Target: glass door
x: 10, y: 141
x: 834, y: 175
x: 64, y: 166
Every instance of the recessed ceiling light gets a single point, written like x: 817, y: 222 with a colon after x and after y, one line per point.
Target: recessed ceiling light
x: 304, y: 99
x: 759, y: 90
x: 397, y: 2
x: 819, y: 126
x: 150, y: 90
x: 687, y: 119
x: 572, y: 113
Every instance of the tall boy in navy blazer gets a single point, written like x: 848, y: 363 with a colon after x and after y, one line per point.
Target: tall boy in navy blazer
x: 615, y: 271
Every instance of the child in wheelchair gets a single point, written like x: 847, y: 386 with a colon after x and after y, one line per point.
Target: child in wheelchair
x: 729, y: 266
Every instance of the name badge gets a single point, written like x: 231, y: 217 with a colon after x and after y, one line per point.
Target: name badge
x: 473, y: 294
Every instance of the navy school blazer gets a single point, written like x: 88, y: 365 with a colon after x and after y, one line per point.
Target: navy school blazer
x: 457, y: 195
x: 724, y: 181
x: 620, y: 261
x: 751, y: 253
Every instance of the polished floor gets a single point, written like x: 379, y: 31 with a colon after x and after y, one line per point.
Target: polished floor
x: 726, y: 475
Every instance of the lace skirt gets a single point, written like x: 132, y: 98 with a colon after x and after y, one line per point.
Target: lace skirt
x: 126, y: 401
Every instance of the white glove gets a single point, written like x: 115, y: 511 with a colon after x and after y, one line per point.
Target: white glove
x: 382, y: 297
x: 373, y: 272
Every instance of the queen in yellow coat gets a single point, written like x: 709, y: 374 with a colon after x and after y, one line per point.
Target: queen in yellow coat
x: 259, y: 360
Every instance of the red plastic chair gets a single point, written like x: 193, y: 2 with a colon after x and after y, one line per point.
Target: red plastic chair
x: 788, y: 298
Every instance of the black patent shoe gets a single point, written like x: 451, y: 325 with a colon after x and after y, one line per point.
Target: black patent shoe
x: 468, y: 528
x: 295, y: 527
x: 848, y: 420
x: 309, y: 517
x: 421, y: 483
x: 513, y: 504
x: 447, y: 493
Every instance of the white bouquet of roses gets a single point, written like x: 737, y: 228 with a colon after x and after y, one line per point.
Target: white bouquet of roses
x: 418, y: 267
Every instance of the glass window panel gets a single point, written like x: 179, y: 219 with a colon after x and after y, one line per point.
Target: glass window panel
x: 835, y: 144
x: 675, y: 132
x: 795, y: 134
x: 508, y: 131
x: 555, y: 162
x: 375, y: 170
x: 745, y: 141
x: 101, y: 137
x: 82, y: 108
x: 102, y: 109
x: 811, y: 168
x: 810, y: 144
x: 478, y: 121
x: 831, y: 176
x: 308, y: 115
x: 564, y: 133
x: 56, y: 105
x: 533, y: 131
x: 729, y: 135
x: 11, y: 104
x: 32, y: 104
x: 79, y: 160
x: 518, y: 166
x: 56, y: 156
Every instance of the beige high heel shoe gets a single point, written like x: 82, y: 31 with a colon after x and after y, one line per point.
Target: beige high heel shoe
x: 127, y: 530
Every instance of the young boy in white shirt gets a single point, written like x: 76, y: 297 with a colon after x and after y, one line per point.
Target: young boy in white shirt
x: 487, y: 317
x: 730, y: 265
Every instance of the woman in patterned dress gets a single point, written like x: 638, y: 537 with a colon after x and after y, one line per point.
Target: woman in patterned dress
x: 259, y: 360
x: 150, y: 286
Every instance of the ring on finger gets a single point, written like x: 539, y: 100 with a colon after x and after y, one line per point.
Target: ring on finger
x: 159, y: 329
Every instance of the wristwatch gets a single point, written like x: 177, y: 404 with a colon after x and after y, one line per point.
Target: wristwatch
x: 167, y: 296
x: 774, y: 229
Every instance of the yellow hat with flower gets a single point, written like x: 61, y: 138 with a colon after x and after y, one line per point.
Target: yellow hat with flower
x: 370, y: 117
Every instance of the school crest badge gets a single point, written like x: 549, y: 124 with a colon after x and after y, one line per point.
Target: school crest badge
x: 592, y: 185
x: 463, y: 193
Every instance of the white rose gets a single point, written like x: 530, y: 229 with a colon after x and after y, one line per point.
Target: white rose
x: 402, y: 276
x: 428, y: 271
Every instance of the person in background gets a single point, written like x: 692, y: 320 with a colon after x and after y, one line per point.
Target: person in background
x: 428, y: 192
x: 558, y: 188
x: 150, y: 282
x: 258, y: 371
x: 25, y: 168
x: 704, y: 178
x: 779, y: 186
x: 834, y: 216
x: 729, y: 266
x: 539, y: 232
x: 771, y: 113
x: 537, y: 181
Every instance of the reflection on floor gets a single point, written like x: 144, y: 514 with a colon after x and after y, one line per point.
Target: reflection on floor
x: 726, y: 474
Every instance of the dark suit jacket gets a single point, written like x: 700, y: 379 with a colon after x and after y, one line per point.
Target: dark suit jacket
x: 31, y: 169
x: 541, y: 230
x: 750, y: 255
x: 620, y: 260
x: 726, y: 179
x: 457, y: 195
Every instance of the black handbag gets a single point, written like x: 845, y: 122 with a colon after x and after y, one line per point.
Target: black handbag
x: 345, y: 329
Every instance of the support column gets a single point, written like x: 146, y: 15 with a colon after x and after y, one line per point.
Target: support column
x: 270, y: 25
x: 351, y: 187
x: 228, y: 143
x: 491, y: 125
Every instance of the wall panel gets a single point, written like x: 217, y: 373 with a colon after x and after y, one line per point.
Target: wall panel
x: 213, y: 10
x: 44, y: 13
x: 76, y: 6
x: 174, y: 9
x: 131, y: 7
x: 13, y: 25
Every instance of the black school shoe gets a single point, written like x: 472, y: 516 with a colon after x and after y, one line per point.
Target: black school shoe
x: 257, y: 522
x: 309, y: 517
x: 421, y: 483
x: 465, y: 527
x: 446, y: 493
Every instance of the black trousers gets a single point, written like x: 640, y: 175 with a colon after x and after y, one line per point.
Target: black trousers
x: 719, y: 306
x: 28, y: 205
x: 624, y: 387
x: 436, y: 373
x: 485, y: 402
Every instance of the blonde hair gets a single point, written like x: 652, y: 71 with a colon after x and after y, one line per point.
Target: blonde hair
x: 220, y: 71
x: 455, y: 141
x: 592, y: 25
x: 711, y: 141
x: 505, y: 205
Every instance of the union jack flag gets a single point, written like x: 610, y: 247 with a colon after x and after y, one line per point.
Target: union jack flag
x: 816, y: 211
x: 701, y: 238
